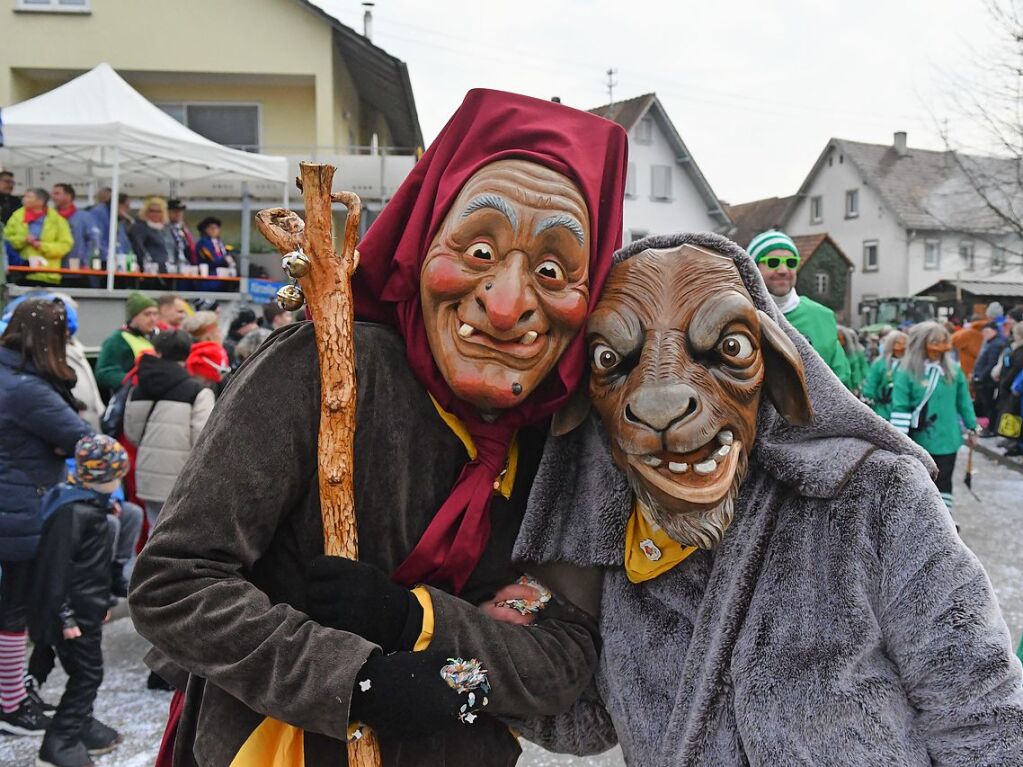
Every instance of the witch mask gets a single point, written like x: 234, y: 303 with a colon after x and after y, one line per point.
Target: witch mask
x: 680, y: 358
x: 505, y: 283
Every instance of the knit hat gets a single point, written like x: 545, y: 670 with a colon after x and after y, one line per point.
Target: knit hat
x: 765, y: 242
x: 995, y: 310
x: 137, y: 302
x: 100, y: 459
x: 208, y: 360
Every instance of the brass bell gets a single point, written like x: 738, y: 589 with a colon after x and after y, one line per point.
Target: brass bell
x: 290, y: 298
x: 296, y: 264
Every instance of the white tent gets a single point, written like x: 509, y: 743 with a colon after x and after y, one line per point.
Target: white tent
x: 98, y: 126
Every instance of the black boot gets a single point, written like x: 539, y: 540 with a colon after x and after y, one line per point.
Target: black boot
x: 60, y: 750
x: 98, y: 738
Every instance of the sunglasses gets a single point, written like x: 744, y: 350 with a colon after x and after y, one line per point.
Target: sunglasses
x: 773, y: 262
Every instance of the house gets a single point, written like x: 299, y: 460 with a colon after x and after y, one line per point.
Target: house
x: 665, y: 191
x: 909, y: 218
x: 752, y: 218
x: 274, y: 76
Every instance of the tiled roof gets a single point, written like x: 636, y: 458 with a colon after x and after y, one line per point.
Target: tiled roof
x: 932, y: 190
x: 808, y: 244
x: 626, y: 113
x: 752, y: 218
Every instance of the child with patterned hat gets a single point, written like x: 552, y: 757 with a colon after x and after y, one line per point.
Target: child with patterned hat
x: 71, y: 597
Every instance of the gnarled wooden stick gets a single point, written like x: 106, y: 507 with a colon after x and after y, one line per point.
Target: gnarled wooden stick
x: 328, y: 293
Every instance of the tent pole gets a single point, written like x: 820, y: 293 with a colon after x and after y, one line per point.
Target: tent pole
x: 243, y: 261
x: 112, y: 244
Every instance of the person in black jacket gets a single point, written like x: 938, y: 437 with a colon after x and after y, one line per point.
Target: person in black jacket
x: 984, y: 387
x: 71, y: 597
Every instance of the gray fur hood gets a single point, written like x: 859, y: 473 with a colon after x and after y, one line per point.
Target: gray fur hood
x: 581, y: 501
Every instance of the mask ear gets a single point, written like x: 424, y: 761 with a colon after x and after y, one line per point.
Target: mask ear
x: 784, y: 378
x: 573, y: 412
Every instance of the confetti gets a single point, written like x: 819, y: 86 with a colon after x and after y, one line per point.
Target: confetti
x: 527, y: 606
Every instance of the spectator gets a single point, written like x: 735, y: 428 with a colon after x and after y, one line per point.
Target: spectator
x: 966, y: 343
x: 275, y: 316
x: 152, y: 238
x: 877, y: 389
x: 243, y: 324
x: 164, y: 418
x: 119, y: 351
x: 856, y: 355
x: 9, y: 202
x: 984, y: 386
x: 71, y: 597
x: 208, y: 358
x: 38, y: 426
x: 100, y: 213
x: 931, y: 402
x: 1011, y: 366
x: 83, y: 227
x: 248, y: 345
x: 184, y: 242
x: 172, y: 310
x: 40, y: 236
x: 211, y: 251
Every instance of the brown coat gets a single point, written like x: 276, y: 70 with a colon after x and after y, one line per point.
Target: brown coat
x: 219, y: 588
x: 967, y: 343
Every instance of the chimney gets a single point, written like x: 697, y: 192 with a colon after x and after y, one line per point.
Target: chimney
x: 367, y: 21
x: 556, y: 99
x: 900, y: 143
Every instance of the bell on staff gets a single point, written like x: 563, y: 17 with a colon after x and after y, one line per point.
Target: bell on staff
x: 296, y: 264
x: 290, y: 298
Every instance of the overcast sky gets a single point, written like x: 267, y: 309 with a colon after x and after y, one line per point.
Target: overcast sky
x: 755, y: 88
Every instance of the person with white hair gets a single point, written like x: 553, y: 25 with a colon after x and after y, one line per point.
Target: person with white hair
x: 931, y: 401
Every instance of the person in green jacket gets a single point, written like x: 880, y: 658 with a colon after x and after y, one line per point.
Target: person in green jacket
x: 40, y: 234
x: 777, y: 258
x: 931, y: 401
x: 877, y: 388
x: 856, y: 355
x: 119, y: 351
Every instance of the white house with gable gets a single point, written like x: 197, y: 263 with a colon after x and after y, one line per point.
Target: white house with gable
x: 665, y: 191
x: 907, y: 218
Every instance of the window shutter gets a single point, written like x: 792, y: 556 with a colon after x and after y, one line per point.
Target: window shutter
x: 660, y: 179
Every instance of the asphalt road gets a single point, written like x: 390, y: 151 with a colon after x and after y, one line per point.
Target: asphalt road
x: 991, y: 522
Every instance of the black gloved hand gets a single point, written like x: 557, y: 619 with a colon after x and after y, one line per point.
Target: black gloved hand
x: 404, y: 696
x: 359, y: 598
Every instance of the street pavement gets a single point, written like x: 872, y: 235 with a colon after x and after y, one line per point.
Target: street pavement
x: 991, y: 522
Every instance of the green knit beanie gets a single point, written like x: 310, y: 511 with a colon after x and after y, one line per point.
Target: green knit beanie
x: 137, y: 302
x: 765, y: 242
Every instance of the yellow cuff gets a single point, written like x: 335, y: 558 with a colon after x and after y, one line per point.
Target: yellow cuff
x: 426, y: 634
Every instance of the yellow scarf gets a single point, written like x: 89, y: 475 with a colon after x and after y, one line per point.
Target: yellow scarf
x: 649, y: 551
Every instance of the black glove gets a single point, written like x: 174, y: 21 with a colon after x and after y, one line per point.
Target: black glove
x: 403, y: 696
x: 359, y: 598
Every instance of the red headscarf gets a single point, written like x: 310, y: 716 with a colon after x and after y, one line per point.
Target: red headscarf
x: 488, y: 126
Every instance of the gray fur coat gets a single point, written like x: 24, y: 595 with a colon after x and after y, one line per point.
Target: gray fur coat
x: 841, y: 621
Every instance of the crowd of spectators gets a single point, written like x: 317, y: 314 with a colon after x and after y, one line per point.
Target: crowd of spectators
x: 166, y: 365
x: 46, y: 230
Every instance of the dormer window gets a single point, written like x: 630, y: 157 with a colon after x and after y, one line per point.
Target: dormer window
x: 645, y: 131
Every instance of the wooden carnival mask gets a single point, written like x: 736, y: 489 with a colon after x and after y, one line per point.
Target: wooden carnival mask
x: 504, y: 286
x: 680, y: 357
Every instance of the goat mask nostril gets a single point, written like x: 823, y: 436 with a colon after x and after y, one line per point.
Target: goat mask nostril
x: 630, y: 416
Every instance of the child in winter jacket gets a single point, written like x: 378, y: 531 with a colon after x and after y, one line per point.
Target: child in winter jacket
x: 931, y: 401
x: 71, y: 597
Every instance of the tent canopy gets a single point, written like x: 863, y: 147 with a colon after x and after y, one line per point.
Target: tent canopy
x: 96, y: 121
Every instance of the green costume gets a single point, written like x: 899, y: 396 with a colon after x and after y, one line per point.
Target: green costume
x: 858, y: 369
x: 933, y: 422
x: 817, y: 323
x: 878, y: 386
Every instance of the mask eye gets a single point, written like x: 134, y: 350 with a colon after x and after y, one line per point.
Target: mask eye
x: 551, y: 270
x: 736, y: 348
x: 604, y: 357
x: 481, y: 250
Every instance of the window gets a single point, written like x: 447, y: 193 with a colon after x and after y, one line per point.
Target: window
x: 816, y: 209
x: 852, y: 203
x: 932, y: 254
x: 966, y: 254
x: 53, y: 6
x: 660, y: 182
x: 645, y: 131
x: 637, y: 234
x: 630, y: 180
x: 822, y: 283
x: 234, y: 125
x: 870, y: 256
x: 997, y: 258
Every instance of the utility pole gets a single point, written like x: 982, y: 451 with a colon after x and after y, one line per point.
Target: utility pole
x: 611, y: 83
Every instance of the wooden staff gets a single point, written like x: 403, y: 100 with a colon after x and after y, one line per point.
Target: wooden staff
x: 325, y: 279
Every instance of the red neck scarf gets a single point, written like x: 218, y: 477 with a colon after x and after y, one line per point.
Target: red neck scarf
x: 35, y: 215
x: 68, y: 212
x: 488, y: 126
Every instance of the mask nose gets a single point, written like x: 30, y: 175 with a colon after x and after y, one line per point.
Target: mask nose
x: 507, y: 297
x: 661, y: 406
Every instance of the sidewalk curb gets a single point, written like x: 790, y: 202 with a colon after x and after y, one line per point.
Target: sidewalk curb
x: 996, y: 456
